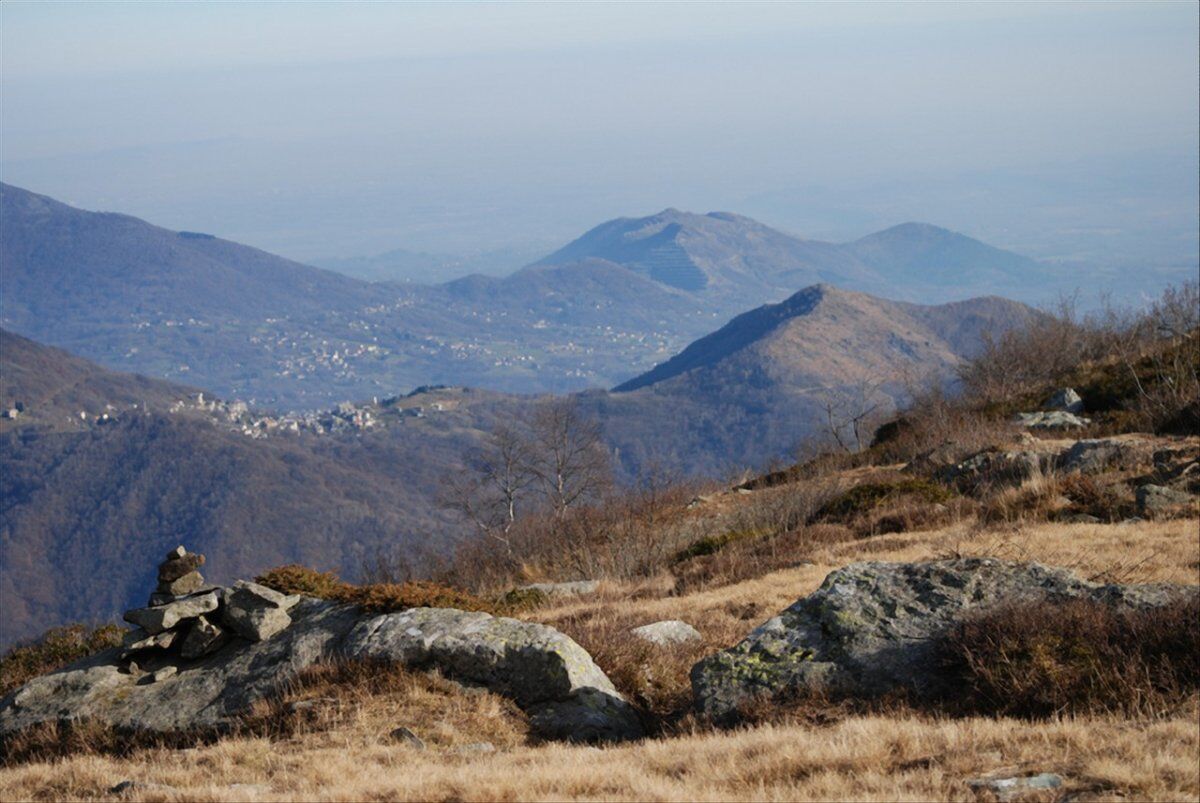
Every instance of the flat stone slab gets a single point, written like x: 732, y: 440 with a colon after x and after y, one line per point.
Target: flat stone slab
x: 158, y: 618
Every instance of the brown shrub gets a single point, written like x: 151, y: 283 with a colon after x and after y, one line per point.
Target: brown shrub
x: 1043, y: 659
x: 53, y: 650
x: 1109, y: 502
x: 376, y: 597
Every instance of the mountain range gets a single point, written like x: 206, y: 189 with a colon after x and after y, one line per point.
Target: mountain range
x: 625, y: 296
x: 99, y: 468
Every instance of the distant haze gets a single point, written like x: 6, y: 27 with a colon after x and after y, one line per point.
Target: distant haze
x: 323, y: 131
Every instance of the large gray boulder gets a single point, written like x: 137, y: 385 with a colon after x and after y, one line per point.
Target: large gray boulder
x: 873, y: 628
x: 548, y: 674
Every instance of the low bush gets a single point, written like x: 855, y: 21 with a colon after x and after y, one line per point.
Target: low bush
x: 865, y: 498
x: 1041, y: 659
x: 53, y: 650
x: 712, y: 544
x: 374, y: 597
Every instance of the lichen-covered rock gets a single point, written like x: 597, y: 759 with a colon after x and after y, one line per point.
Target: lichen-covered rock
x: 873, y: 628
x: 671, y: 631
x: 545, y: 672
x: 256, y: 612
x: 158, y: 618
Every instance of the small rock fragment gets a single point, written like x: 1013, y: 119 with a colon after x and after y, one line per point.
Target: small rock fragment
x: 671, y: 631
x: 129, y: 787
x: 175, y: 568
x: 205, y: 637
x: 161, y: 640
x: 1067, y: 400
x: 182, y: 586
x: 1009, y: 789
x: 407, y: 737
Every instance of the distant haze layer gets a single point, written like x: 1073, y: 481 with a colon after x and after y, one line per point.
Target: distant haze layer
x: 323, y: 131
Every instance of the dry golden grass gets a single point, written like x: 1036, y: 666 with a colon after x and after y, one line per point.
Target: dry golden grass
x: 858, y: 758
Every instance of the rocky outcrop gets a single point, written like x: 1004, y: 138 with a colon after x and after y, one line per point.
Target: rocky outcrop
x: 198, y: 663
x: 873, y: 628
x: 1095, y: 456
x: 993, y: 467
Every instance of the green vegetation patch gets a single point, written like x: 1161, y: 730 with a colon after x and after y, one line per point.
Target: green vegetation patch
x: 871, y: 495
x: 375, y: 597
x: 53, y: 650
x: 710, y: 545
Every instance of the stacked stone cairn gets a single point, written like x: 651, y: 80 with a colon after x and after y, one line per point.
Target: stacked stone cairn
x: 187, y: 620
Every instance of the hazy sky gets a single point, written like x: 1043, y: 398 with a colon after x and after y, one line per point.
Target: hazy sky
x: 327, y: 129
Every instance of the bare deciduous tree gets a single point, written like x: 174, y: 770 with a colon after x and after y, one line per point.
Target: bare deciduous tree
x: 853, y: 412
x: 568, y: 455
x: 500, y: 475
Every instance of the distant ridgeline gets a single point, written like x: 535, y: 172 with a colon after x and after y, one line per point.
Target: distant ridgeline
x: 627, y: 295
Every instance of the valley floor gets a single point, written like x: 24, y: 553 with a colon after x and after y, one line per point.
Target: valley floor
x: 346, y: 753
